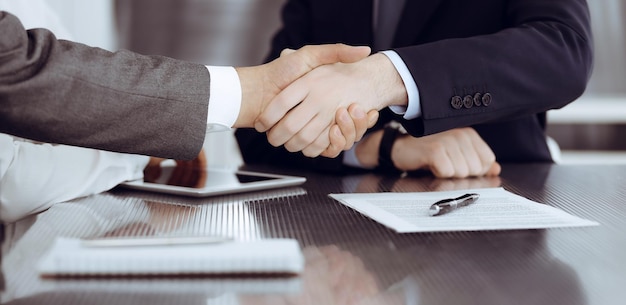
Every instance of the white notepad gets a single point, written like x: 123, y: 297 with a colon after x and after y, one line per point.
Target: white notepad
x: 68, y: 257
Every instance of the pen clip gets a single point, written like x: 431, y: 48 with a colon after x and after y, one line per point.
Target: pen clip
x: 154, y: 241
x: 466, y: 199
x: 446, y: 205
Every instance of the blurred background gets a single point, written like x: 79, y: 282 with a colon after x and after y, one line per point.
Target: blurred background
x: 238, y: 32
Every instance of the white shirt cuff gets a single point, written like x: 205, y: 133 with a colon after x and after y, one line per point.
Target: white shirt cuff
x: 413, y: 109
x: 224, y: 98
x: 350, y: 159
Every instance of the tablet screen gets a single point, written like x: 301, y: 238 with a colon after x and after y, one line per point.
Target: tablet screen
x: 251, y: 178
x: 208, y: 182
x: 202, y: 178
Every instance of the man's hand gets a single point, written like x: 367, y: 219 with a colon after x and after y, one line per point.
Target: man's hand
x: 306, y: 108
x: 456, y: 153
x: 350, y: 128
x: 260, y: 84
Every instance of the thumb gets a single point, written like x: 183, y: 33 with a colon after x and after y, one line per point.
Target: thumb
x: 372, y: 118
x: 347, y: 54
x: 494, y: 170
x: 286, y: 51
x: 292, y: 65
x: 313, y: 56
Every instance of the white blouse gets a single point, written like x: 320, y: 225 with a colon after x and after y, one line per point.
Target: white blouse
x: 33, y: 176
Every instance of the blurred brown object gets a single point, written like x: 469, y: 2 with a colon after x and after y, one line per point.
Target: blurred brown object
x: 188, y: 173
x: 216, y: 32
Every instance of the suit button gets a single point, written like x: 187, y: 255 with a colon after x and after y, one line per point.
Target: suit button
x: 487, y: 99
x: 468, y: 101
x: 478, y: 99
x: 456, y: 102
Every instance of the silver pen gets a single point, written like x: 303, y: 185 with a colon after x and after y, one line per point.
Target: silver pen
x: 448, y: 205
x: 153, y: 241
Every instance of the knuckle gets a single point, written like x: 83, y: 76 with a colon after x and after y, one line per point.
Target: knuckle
x: 291, y: 147
x: 330, y: 153
x: 462, y: 172
x: 273, y: 139
x: 442, y: 171
x: 264, y: 121
x: 490, y: 158
x: 281, y: 102
x: 437, y: 149
x: 309, y: 153
x: 476, y: 169
x: 291, y: 129
x: 302, y: 139
x: 313, y: 150
x: 295, y: 144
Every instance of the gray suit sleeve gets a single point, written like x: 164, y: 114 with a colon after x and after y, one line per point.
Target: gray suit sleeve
x: 63, y: 92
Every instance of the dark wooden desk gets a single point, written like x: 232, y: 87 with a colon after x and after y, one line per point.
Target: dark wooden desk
x: 351, y: 258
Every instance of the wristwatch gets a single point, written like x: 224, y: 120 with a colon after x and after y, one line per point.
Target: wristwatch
x: 390, y: 134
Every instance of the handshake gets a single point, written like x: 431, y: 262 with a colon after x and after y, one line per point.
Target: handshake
x: 318, y: 99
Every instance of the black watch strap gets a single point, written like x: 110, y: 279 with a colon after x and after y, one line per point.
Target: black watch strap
x: 385, y: 164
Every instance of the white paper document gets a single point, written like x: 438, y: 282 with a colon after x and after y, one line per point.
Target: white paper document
x: 496, y: 209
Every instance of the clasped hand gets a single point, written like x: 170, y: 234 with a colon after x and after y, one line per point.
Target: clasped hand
x: 318, y: 99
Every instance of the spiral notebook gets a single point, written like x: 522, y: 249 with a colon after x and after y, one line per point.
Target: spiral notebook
x: 75, y: 257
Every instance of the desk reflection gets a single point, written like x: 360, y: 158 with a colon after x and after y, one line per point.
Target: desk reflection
x: 349, y: 259
x: 108, y: 215
x: 370, y: 267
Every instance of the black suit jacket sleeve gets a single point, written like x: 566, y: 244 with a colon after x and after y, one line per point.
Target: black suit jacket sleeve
x: 529, y: 56
x: 63, y: 92
x: 539, y: 59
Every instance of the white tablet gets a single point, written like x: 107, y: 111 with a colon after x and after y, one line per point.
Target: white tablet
x: 215, y: 182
